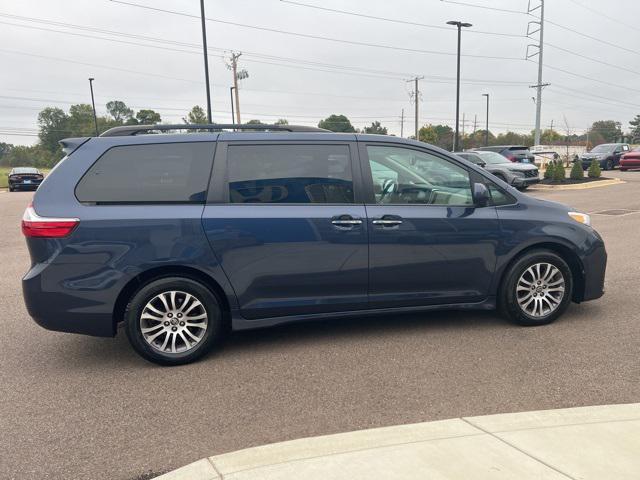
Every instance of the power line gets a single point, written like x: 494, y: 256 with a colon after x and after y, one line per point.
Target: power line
x: 636, y: 72
x: 600, y: 13
x: 392, y: 20
x: 582, y: 34
x: 591, y: 78
x: 318, y: 37
x: 466, y: 4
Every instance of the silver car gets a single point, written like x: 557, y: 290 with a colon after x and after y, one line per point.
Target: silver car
x: 519, y: 175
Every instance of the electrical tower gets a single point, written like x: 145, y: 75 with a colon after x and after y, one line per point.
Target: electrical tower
x: 232, y: 65
x: 538, y: 28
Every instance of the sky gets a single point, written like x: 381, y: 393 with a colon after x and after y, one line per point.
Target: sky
x: 328, y: 62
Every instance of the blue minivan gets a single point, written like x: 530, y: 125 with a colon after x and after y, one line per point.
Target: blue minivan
x: 179, y: 237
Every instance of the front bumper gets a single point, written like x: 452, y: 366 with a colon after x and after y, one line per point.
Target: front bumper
x: 595, y: 265
x: 524, y: 181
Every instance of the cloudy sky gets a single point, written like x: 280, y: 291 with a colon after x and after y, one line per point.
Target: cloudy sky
x: 305, y: 63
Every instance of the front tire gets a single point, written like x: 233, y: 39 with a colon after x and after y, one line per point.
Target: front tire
x: 608, y: 165
x: 173, y: 321
x: 537, y: 288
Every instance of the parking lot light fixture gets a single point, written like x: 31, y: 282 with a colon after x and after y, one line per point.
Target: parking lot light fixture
x: 460, y: 25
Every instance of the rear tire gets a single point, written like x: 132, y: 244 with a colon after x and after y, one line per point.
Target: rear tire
x: 173, y: 321
x: 536, y: 289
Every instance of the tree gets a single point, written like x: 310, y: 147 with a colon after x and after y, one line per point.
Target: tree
x: 254, y: 122
x: 54, y: 126
x: 594, y: 169
x: 337, y: 123
x: 81, y: 121
x: 576, y: 171
x: 148, y: 117
x: 281, y: 121
x: 119, y: 111
x: 635, y: 129
x: 428, y: 134
x: 376, y: 128
x: 196, y: 115
x: 607, y: 130
x: 549, y: 137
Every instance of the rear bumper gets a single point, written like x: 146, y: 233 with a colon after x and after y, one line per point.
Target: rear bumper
x: 55, y: 306
x: 24, y: 186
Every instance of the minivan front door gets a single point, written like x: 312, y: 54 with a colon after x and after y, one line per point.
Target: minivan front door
x: 429, y: 244
x: 290, y: 236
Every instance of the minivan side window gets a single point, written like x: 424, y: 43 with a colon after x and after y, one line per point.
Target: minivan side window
x: 156, y: 173
x: 407, y: 176
x: 293, y: 173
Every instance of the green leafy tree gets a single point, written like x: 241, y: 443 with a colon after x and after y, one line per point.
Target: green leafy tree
x: 148, y: 117
x: 605, y: 131
x: 337, y: 123
x: 594, y: 169
x: 81, y: 121
x: 550, y: 137
x: 119, y: 111
x: 254, y: 122
x: 281, y: 121
x: 635, y: 128
x: 376, y: 128
x: 428, y: 134
x: 53, y: 125
x: 576, y: 171
x: 196, y: 115
x: 548, y: 171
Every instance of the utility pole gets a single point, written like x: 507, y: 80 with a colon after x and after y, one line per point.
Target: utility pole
x: 475, y: 123
x: 416, y: 99
x: 463, y: 124
x: 540, y: 47
x: 93, y: 104
x: 237, y: 75
x: 206, y: 60
x: 402, y: 124
x: 233, y: 115
x: 486, y: 133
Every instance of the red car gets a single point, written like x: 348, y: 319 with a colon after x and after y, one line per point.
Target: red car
x: 630, y: 160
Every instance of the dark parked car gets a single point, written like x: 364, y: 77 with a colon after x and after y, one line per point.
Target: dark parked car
x: 519, y: 175
x: 24, y: 178
x: 179, y: 237
x: 607, y: 154
x: 630, y: 160
x: 514, y: 153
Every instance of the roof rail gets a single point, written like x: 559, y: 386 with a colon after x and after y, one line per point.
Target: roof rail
x: 136, y: 129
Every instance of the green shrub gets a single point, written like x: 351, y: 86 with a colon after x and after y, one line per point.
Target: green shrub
x: 559, y: 174
x: 576, y: 171
x: 548, y: 171
x: 594, y: 169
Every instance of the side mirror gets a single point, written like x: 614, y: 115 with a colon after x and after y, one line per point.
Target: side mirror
x: 481, y: 164
x: 481, y: 195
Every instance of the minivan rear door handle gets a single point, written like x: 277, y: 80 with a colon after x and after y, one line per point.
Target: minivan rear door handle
x: 387, y: 221
x: 345, y: 222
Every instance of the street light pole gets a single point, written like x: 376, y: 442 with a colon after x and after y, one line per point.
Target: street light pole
x: 459, y: 25
x: 206, y: 60
x: 93, y: 104
x: 486, y: 132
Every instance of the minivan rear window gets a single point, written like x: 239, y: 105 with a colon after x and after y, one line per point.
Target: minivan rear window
x: 156, y: 173
x: 293, y: 173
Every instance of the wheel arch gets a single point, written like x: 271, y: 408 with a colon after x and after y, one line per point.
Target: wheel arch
x: 143, y: 278
x: 566, y: 253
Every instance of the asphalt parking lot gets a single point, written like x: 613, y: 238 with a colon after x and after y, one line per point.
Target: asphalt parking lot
x: 76, y: 407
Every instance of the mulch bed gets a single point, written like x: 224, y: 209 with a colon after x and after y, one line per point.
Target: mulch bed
x: 569, y: 181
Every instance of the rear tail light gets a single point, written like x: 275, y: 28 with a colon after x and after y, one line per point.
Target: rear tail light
x: 34, y: 225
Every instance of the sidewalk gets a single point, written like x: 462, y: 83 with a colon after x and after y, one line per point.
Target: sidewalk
x: 586, y: 443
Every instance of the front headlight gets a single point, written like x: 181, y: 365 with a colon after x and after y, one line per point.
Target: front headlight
x: 581, y: 218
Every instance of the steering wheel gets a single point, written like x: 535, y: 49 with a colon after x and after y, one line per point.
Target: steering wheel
x: 389, y: 186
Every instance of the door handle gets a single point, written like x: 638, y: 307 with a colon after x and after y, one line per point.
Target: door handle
x: 345, y: 221
x: 387, y: 221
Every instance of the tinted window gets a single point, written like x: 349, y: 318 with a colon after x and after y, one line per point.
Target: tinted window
x: 160, y: 173
x: 289, y: 174
x: 407, y: 176
x: 25, y: 170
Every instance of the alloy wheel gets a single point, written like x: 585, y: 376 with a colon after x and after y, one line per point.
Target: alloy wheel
x: 540, y: 290
x: 173, y: 322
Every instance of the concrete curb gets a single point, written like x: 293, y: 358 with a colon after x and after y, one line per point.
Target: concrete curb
x: 578, y: 186
x: 589, y: 443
